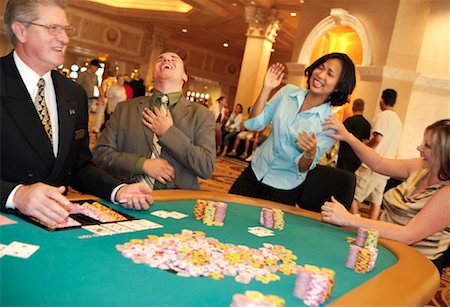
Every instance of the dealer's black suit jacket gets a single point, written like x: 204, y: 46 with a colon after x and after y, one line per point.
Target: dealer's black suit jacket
x: 26, y: 152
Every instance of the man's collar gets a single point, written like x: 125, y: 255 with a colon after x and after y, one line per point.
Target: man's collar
x: 173, y: 97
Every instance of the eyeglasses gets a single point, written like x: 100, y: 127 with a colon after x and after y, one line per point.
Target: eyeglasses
x: 56, y: 29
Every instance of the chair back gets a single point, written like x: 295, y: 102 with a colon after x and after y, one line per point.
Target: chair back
x: 323, y: 182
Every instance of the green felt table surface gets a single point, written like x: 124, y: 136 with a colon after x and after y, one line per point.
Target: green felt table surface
x: 71, y: 270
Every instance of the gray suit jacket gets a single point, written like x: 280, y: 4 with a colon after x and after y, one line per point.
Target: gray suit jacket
x: 189, y: 145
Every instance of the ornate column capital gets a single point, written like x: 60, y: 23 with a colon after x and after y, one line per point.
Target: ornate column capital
x: 157, y: 38
x: 262, y: 22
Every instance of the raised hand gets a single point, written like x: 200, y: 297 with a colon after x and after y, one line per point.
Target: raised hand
x: 274, y: 75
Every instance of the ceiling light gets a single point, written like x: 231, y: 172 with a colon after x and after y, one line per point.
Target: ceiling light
x: 272, y: 50
x: 178, y: 6
x: 184, y: 30
x: 225, y: 44
x: 293, y: 14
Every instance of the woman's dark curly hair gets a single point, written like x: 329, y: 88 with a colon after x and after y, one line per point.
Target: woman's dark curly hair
x: 347, y: 81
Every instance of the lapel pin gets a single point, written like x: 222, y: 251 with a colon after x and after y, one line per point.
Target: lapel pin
x: 72, y: 111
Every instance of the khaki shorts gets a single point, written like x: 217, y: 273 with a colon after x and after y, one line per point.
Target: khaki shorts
x: 369, y: 185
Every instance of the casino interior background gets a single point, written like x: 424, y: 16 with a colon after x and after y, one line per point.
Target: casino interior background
x: 228, y: 45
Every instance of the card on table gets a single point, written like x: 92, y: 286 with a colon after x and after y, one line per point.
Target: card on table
x: 148, y: 224
x: 118, y: 228
x: 6, y: 221
x: 19, y: 249
x: 260, y: 231
x: 177, y: 215
x: 2, y: 247
x: 99, y: 230
x: 161, y: 213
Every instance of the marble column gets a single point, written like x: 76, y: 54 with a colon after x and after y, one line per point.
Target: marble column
x: 261, y: 34
x: 155, y: 47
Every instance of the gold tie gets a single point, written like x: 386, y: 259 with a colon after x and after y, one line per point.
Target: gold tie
x: 156, y: 148
x: 41, y: 108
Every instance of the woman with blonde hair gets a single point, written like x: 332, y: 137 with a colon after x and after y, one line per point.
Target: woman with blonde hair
x: 416, y: 212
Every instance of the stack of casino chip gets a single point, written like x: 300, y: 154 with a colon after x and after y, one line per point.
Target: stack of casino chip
x: 199, y: 209
x: 98, y: 212
x: 256, y: 298
x: 313, y: 285
x: 362, y: 257
x: 210, y: 212
x: 272, y: 218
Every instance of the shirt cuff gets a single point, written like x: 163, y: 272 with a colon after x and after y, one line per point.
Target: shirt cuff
x: 9, y: 201
x: 114, y: 192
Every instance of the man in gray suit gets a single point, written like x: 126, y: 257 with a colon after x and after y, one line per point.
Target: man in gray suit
x: 185, y: 133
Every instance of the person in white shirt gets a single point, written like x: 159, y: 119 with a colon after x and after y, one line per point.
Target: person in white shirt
x: 386, y: 132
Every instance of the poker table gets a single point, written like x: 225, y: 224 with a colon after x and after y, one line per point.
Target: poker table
x: 73, y: 268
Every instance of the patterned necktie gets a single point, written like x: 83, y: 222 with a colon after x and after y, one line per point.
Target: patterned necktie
x: 41, y: 108
x: 163, y: 102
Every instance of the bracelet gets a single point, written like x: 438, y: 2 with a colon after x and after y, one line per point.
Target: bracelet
x: 307, y: 156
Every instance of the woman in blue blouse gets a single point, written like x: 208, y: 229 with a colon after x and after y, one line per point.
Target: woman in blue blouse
x: 297, y: 141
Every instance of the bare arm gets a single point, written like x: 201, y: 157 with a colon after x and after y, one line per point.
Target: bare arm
x: 389, y: 167
x: 272, y: 79
x: 434, y: 217
x: 374, y: 141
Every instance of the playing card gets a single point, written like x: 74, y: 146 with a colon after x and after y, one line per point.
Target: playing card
x: 161, y: 213
x: 6, y: 221
x: 260, y: 231
x: 99, y: 230
x: 177, y: 215
x: 148, y: 224
x: 19, y: 249
x: 135, y: 225
x: 2, y: 247
x: 116, y: 227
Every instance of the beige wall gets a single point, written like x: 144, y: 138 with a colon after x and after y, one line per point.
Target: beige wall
x: 409, y: 40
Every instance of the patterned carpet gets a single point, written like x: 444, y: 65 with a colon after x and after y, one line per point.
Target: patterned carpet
x: 228, y: 169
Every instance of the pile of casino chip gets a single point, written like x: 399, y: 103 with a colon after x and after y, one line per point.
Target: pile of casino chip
x: 313, y: 285
x: 256, y: 298
x: 192, y: 254
x: 272, y: 218
x: 212, y: 213
x: 362, y: 255
x: 98, y: 212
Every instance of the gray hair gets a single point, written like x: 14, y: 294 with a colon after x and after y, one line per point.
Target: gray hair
x: 24, y: 11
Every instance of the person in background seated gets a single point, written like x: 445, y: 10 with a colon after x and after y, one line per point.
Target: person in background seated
x: 44, y: 121
x: 232, y: 128
x: 281, y: 163
x: 184, y: 132
x: 416, y: 212
x: 360, y: 128
x: 258, y: 137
